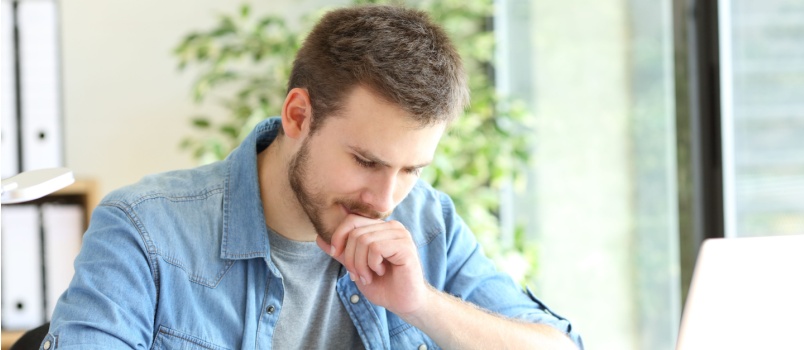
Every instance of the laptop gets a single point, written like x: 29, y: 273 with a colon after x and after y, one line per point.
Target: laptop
x: 746, y: 293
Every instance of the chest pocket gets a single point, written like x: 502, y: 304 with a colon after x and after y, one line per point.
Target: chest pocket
x: 171, y: 339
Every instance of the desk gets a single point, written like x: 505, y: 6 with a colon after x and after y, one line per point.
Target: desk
x: 9, y: 337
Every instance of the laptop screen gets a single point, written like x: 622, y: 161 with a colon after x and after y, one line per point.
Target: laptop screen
x: 746, y: 293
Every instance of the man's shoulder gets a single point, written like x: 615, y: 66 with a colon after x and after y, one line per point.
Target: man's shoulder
x: 177, y: 215
x: 176, y: 185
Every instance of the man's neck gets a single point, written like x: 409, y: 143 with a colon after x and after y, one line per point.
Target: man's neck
x: 283, y: 213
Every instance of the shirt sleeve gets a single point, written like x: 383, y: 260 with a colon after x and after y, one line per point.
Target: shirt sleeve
x: 111, y: 300
x: 474, y: 278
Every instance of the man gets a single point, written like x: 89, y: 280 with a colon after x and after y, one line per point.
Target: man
x: 316, y: 232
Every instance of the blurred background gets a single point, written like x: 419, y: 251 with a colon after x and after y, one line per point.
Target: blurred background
x: 606, y: 139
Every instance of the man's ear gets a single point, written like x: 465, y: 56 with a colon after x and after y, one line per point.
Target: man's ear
x: 297, y: 113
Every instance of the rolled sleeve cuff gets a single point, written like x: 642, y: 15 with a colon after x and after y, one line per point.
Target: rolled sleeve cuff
x: 550, y: 318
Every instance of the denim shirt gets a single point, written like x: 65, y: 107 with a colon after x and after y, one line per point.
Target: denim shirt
x: 181, y: 260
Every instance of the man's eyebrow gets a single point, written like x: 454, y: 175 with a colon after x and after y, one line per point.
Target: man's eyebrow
x: 368, y: 155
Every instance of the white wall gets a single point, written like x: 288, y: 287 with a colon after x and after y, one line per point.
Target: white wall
x: 126, y: 106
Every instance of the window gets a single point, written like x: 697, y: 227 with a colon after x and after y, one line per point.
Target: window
x: 762, y: 103
x: 601, y: 199
x: 657, y: 124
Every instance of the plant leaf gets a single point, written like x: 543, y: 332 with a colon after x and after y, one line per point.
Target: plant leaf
x: 201, y: 122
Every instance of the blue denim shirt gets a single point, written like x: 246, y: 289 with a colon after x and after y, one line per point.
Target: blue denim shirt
x: 181, y: 260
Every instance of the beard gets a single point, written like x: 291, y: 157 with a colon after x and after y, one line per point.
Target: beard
x: 315, y: 202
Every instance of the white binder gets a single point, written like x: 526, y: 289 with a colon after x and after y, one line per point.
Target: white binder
x: 22, y: 305
x: 63, y: 226
x: 40, y: 84
x: 8, y: 92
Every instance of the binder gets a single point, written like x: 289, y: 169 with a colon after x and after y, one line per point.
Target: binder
x: 40, y: 87
x: 62, y: 225
x: 22, y: 306
x: 8, y: 92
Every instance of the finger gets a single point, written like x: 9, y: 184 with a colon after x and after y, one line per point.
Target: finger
x: 364, y: 259
x: 348, y: 255
x: 341, y: 233
x: 364, y: 238
x: 354, y: 252
x: 396, y: 252
x: 375, y: 260
x: 397, y: 249
x: 390, y: 255
x: 353, y: 258
x: 327, y: 248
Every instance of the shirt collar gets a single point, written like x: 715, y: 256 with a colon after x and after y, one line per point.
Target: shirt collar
x: 245, y: 234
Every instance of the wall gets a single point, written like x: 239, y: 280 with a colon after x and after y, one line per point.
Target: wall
x: 126, y: 106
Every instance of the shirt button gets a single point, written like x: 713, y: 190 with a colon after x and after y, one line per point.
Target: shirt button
x: 354, y: 299
x: 270, y: 309
x: 423, y: 347
x: 46, y: 345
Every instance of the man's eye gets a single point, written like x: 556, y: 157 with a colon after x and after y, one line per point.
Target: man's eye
x: 414, y: 171
x: 364, y: 163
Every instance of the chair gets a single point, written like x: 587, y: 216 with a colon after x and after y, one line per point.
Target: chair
x: 32, y: 339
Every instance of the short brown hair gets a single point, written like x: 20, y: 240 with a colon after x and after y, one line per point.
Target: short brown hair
x: 397, y: 53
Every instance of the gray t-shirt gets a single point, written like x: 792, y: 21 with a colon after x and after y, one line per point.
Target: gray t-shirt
x: 312, y: 316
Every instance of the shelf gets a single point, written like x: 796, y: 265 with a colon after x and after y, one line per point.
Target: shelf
x: 87, y: 190
x: 83, y: 192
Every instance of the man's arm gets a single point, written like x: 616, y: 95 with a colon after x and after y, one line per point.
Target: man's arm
x: 111, y: 300
x: 381, y: 258
x: 456, y: 324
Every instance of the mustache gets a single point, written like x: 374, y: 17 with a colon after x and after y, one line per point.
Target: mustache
x: 362, y: 209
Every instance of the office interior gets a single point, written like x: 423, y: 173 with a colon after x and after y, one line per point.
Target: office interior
x: 652, y: 125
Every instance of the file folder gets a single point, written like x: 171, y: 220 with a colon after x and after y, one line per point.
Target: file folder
x: 62, y: 225
x: 8, y: 93
x: 22, y: 303
x: 40, y: 84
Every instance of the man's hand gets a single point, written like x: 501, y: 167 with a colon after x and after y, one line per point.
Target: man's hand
x: 381, y: 258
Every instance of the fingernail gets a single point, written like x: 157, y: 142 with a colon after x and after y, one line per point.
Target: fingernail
x: 351, y: 276
x: 362, y: 280
x: 332, y: 250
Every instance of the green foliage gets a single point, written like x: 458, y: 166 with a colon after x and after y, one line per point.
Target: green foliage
x: 243, y: 64
x: 484, y: 150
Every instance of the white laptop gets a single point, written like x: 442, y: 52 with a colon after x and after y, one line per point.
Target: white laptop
x: 746, y: 293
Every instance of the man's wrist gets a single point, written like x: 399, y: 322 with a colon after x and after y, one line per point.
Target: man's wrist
x: 430, y: 301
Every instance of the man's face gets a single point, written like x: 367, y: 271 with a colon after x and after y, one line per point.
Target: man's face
x: 363, y: 161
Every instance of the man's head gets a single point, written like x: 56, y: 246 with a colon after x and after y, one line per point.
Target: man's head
x: 397, y: 53
x: 364, y: 163
x: 371, y: 92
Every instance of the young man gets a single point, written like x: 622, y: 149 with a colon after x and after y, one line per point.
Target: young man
x: 316, y: 232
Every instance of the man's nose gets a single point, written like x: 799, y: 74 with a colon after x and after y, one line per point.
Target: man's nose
x: 380, y: 192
